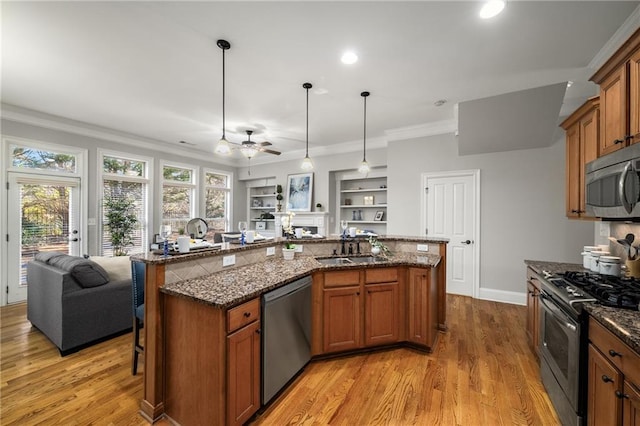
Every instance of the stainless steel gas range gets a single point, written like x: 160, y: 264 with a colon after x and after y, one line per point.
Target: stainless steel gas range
x: 564, y: 336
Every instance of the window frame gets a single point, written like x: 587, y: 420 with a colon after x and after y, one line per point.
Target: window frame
x: 194, y: 186
x: 229, y: 189
x: 101, y: 176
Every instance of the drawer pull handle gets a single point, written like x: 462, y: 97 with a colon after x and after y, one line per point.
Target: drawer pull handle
x: 606, y: 379
x: 258, y: 331
x: 247, y: 314
x: 614, y: 353
x: 622, y: 395
x: 617, y: 141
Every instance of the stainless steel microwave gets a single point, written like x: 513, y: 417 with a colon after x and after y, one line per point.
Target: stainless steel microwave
x: 613, y: 185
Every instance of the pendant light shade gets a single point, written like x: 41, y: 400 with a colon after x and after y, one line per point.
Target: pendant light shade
x: 223, y: 147
x: 364, y: 166
x: 307, y: 164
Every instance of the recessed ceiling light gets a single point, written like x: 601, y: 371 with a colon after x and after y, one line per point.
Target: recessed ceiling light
x: 349, y: 58
x: 491, y: 8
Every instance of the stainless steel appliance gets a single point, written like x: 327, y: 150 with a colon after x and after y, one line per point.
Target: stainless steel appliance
x: 613, y: 185
x: 564, y: 336
x: 286, y: 335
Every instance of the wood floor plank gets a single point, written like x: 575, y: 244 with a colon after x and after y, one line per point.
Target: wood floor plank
x: 481, y: 372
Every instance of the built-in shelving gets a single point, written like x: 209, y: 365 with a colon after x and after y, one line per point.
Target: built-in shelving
x: 362, y: 199
x: 261, y: 200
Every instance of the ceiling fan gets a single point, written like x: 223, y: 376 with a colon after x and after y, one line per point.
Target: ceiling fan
x: 250, y: 148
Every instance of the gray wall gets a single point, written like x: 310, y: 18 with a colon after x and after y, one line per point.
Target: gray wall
x: 521, y: 206
x: 26, y: 131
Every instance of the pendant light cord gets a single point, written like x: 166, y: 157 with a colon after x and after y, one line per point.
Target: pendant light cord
x: 307, y: 154
x: 223, y: 79
x: 364, y: 155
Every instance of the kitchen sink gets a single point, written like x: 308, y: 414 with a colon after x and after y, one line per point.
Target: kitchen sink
x: 364, y: 259
x: 334, y: 261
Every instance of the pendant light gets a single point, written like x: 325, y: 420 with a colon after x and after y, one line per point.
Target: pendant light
x: 222, y: 147
x: 307, y: 164
x: 364, y: 166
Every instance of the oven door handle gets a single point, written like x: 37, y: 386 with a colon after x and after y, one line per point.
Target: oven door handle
x: 557, y: 313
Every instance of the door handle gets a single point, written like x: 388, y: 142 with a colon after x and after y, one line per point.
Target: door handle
x: 74, y: 240
x: 467, y: 242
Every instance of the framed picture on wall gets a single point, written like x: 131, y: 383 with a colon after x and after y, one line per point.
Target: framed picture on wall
x: 299, y: 192
x: 379, y: 215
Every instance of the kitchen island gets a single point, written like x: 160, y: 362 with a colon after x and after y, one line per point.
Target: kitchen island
x: 203, y: 320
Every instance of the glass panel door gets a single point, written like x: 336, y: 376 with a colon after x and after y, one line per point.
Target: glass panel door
x: 43, y: 216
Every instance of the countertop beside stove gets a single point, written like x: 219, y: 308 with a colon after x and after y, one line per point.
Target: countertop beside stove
x: 623, y: 323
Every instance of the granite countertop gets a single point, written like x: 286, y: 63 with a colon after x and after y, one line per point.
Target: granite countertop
x: 228, y: 288
x: 624, y: 323
x: 236, y: 248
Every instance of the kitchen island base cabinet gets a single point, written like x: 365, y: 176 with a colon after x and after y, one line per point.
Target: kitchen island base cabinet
x: 212, y: 362
x: 382, y: 311
x: 341, y: 319
x: 422, y: 303
x: 613, y: 396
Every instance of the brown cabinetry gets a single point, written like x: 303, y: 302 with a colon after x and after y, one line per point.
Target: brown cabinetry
x: 613, y: 396
x: 382, y: 307
x: 341, y: 318
x: 533, y: 311
x: 620, y: 97
x: 421, y: 302
x: 582, y: 139
x: 243, y: 362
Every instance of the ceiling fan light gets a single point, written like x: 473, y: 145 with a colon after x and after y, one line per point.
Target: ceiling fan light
x: 223, y: 147
x: 248, y: 152
x: 364, y: 167
x: 307, y: 164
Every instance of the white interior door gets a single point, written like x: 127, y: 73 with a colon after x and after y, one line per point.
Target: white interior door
x: 43, y: 215
x: 452, y: 212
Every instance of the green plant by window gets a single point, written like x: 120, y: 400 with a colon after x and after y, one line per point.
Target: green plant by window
x: 120, y: 220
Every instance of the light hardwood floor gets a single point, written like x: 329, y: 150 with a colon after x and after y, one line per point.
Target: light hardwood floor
x: 481, y: 373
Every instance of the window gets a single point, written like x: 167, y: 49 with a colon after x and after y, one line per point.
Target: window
x: 178, y: 196
x: 23, y: 157
x: 125, y: 192
x: 217, y: 201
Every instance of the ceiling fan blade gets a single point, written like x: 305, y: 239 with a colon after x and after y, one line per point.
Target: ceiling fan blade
x: 265, y: 143
x: 270, y: 151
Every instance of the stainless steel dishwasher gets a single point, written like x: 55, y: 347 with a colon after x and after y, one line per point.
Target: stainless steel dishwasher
x: 286, y: 335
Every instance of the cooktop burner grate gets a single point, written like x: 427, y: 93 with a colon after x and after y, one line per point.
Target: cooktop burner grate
x: 619, y: 292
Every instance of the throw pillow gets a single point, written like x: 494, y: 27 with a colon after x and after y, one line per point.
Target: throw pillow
x: 45, y: 256
x: 85, y: 272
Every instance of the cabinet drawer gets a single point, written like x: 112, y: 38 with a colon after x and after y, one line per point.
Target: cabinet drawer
x: 383, y: 275
x: 615, y: 350
x: 532, y: 277
x: 243, y: 314
x: 341, y: 278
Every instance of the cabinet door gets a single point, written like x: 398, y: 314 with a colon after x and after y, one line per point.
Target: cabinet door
x: 603, y: 405
x: 613, y: 112
x: 589, y: 151
x: 243, y: 373
x: 533, y: 327
x: 574, y: 180
x: 631, y: 405
x: 421, y: 299
x: 341, y: 312
x: 634, y: 97
x: 382, y: 314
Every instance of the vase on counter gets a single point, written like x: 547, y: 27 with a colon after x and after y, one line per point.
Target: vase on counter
x: 375, y: 250
x: 288, y: 254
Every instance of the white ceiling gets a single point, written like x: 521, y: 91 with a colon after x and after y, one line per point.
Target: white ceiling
x: 153, y: 69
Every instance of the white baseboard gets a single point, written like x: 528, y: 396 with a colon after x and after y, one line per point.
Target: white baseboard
x: 512, y: 297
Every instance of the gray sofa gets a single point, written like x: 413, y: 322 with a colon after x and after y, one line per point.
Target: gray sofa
x: 76, y: 301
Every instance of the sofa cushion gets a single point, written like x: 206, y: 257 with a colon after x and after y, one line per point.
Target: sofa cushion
x: 85, y: 272
x: 46, y: 256
x: 118, y: 267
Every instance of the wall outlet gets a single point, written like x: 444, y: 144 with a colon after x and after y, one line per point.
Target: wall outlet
x: 271, y: 251
x: 422, y: 259
x: 423, y: 247
x: 605, y: 229
x: 229, y: 260
x: 298, y: 248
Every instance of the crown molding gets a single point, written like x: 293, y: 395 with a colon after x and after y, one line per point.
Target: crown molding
x: 421, y: 130
x: 39, y: 119
x: 630, y: 26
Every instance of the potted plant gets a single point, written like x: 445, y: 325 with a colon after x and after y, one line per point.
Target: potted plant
x: 289, y: 250
x: 279, y: 197
x: 378, y: 247
x: 120, y: 221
